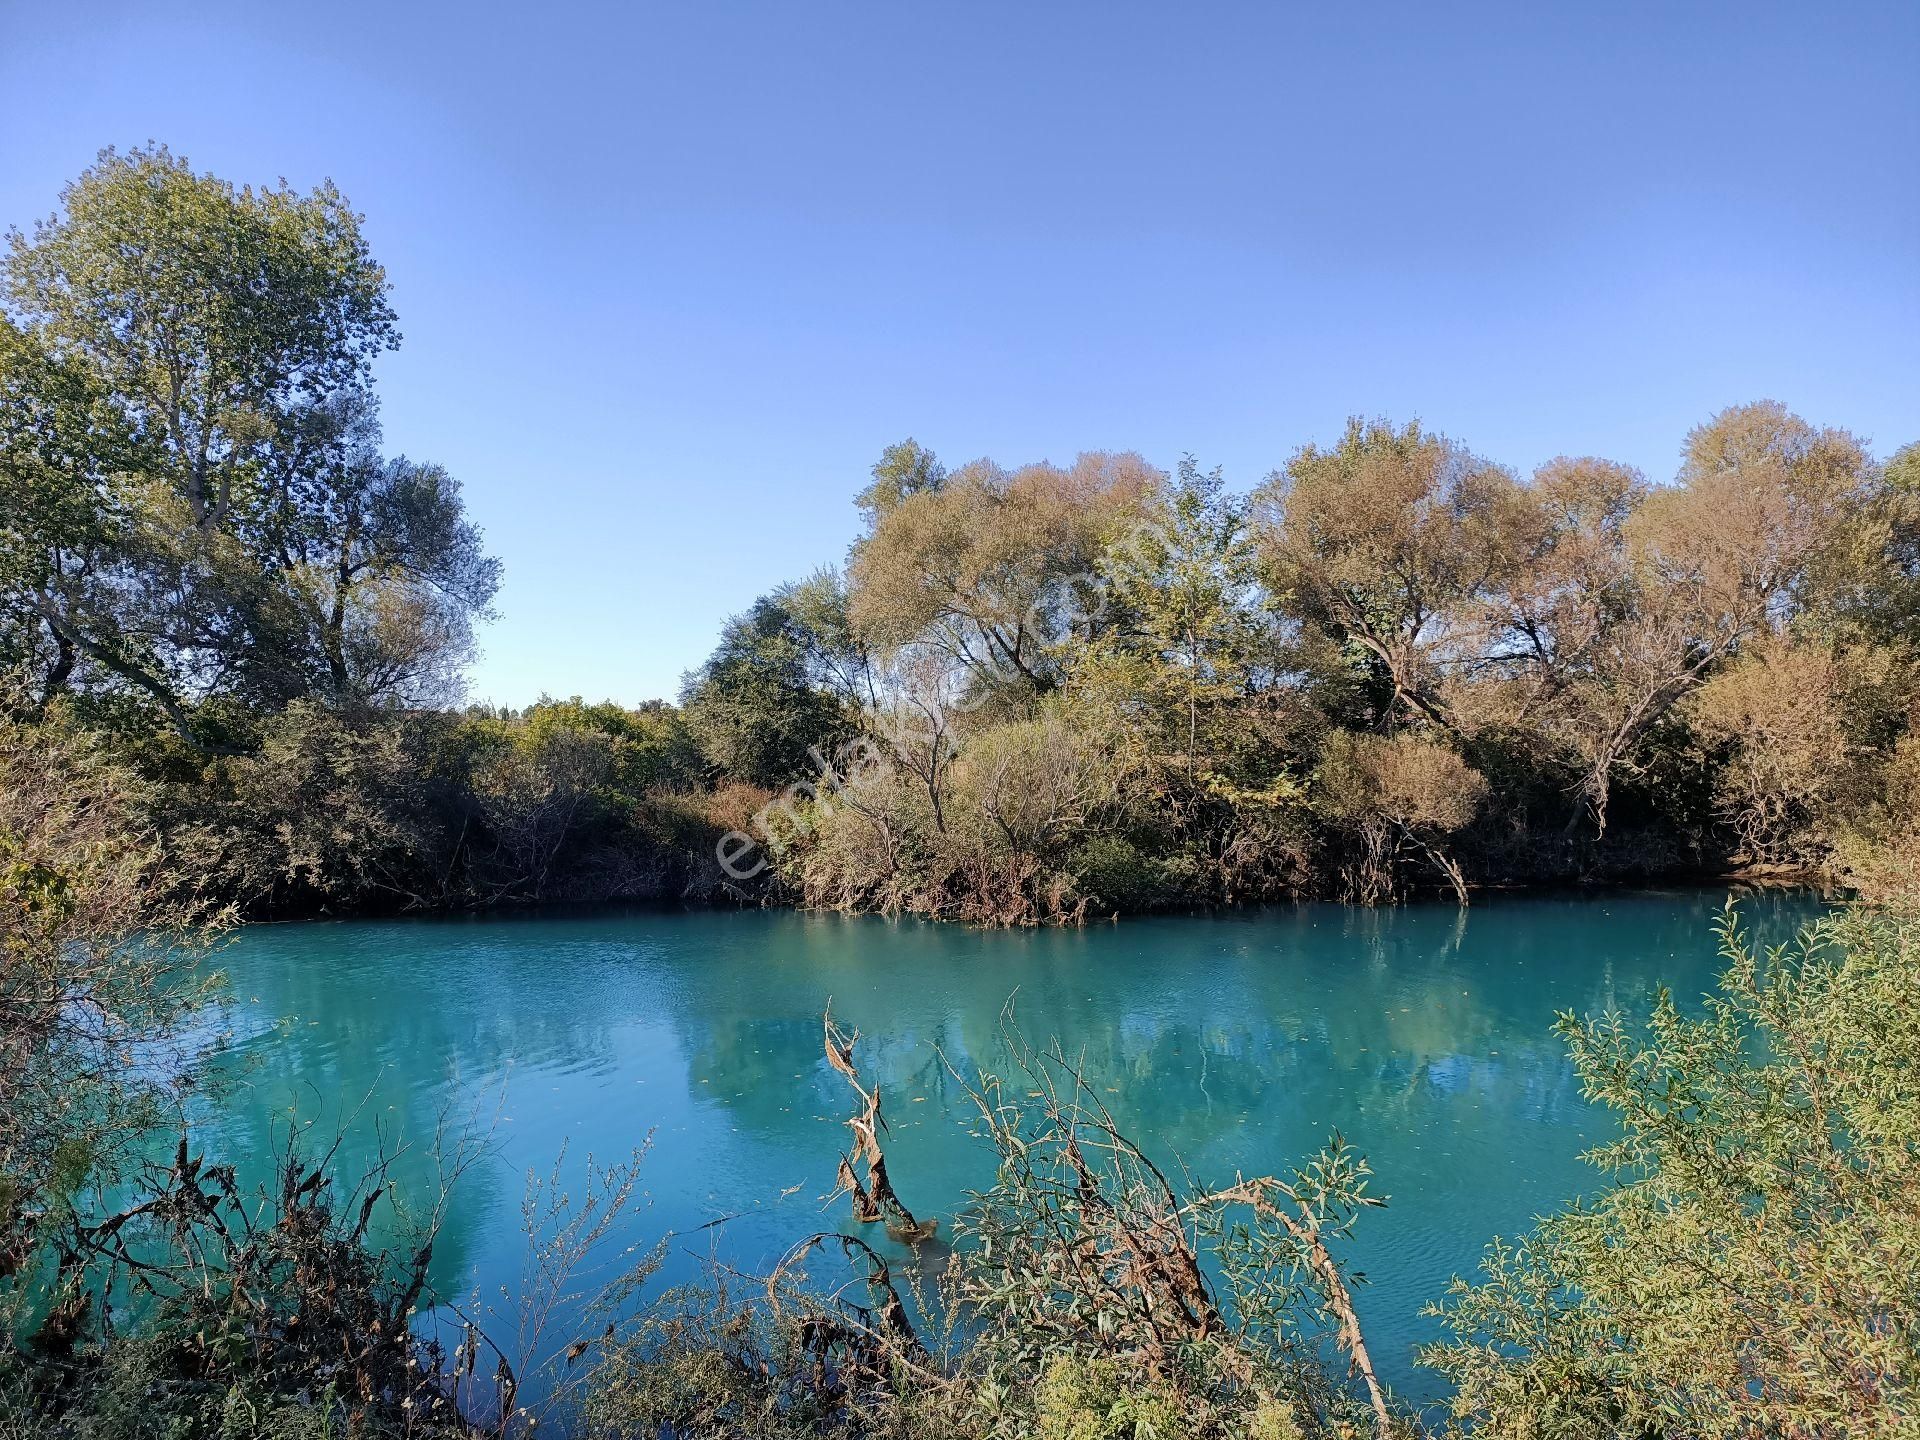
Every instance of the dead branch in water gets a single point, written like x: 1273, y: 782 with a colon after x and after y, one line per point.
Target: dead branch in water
x: 878, y: 1333
x: 876, y: 1199
x: 1090, y: 1240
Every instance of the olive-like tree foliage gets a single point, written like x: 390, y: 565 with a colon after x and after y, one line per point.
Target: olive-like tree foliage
x: 1184, y: 633
x: 562, y: 801
x: 1748, y: 1268
x: 1190, y: 689
x: 1389, y: 540
x: 358, y: 811
x: 1020, y: 794
x: 193, y: 502
x: 837, y: 660
x: 1749, y: 535
x: 1619, y: 600
x: 1796, y: 730
x: 1878, y: 848
x: 1552, y: 608
x: 1879, y: 596
x: 903, y: 469
x: 992, y: 571
x: 1393, y: 796
x: 327, y: 811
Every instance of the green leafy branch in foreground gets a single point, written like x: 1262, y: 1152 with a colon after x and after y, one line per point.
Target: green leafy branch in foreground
x: 1081, y: 1305
x: 1753, y: 1268
x: 1084, y: 1249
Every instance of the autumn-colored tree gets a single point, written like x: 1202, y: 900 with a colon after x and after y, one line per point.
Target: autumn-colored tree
x: 1544, y: 620
x: 1780, y: 715
x: 201, y: 533
x: 1389, y: 540
x: 903, y: 469
x: 1394, y: 795
x: 1878, y: 850
x: 992, y: 570
x: 1635, y: 597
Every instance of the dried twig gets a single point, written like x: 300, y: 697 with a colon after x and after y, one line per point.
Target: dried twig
x: 876, y: 1199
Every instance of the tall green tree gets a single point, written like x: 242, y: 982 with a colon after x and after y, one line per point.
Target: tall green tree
x: 186, y: 453
x: 1184, y: 633
x: 380, y: 572
x: 755, y: 705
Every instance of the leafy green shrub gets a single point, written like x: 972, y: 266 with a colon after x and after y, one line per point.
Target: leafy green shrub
x: 1750, y: 1269
x: 1079, y: 1399
x: 1116, y: 874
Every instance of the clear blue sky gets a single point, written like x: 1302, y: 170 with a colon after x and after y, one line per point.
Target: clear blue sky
x: 671, y: 276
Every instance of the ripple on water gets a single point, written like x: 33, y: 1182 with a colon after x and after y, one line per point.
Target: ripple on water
x: 1236, y: 1044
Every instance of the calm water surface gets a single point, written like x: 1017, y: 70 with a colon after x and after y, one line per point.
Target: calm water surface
x: 1228, y: 1044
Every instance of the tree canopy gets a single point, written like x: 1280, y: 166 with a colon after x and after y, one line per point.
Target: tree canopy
x: 196, y: 505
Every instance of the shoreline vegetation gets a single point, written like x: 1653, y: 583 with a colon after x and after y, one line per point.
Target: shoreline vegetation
x: 1740, y: 1266
x: 232, y: 629
x: 1028, y: 695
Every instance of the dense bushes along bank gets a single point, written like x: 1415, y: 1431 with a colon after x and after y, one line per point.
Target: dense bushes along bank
x: 1073, y: 690
x: 1741, y: 1267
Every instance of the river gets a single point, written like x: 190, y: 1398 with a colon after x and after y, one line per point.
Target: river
x: 1233, y: 1043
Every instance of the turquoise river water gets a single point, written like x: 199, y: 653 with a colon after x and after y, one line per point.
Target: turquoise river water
x: 1228, y: 1044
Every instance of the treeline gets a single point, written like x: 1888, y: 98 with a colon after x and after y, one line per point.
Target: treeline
x: 1395, y: 665
x: 1028, y: 695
